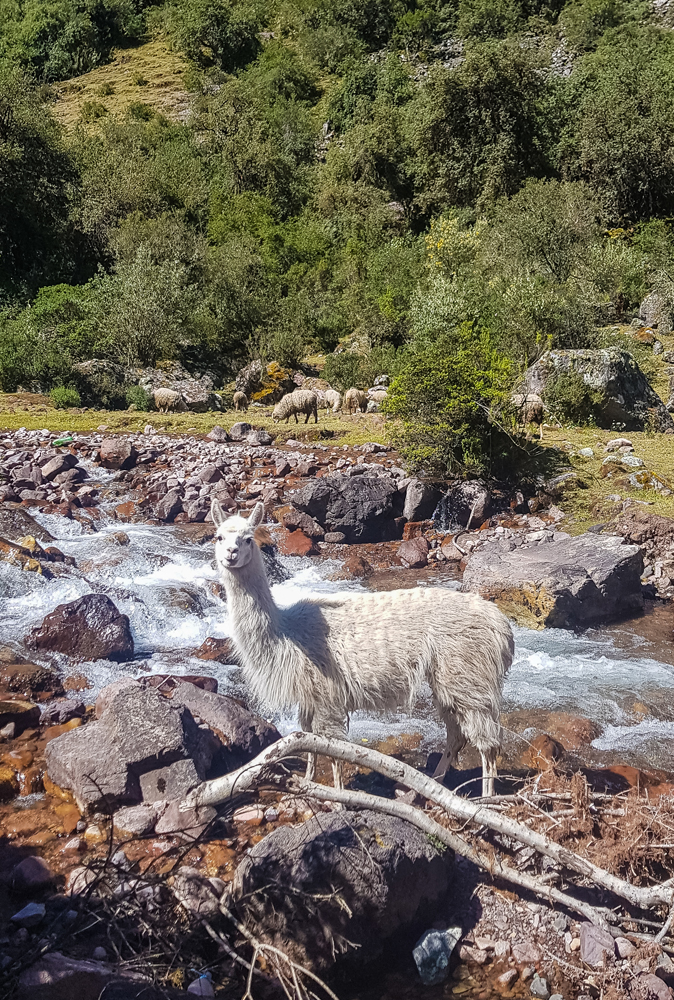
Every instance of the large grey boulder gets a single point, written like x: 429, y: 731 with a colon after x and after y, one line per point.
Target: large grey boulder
x: 384, y: 876
x: 421, y: 499
x: 558, y: 584
x: 362, y: 507
x: 628, y: 401
x: 654, y: 311
x: 111, y: 762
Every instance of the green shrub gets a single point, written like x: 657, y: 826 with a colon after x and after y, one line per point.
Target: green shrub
x: 138, y: 397
x: 571, y: 400
x: 344, y: 370
x: 62, y: 397
x: 137, y: 79
x: 106, y: 89
x: 91, y: 111
x: 140, y: 112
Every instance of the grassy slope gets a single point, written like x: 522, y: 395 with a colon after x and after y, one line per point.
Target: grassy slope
x: 155, y: 62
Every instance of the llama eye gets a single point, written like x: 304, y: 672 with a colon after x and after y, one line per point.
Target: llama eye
x: 249, y: 540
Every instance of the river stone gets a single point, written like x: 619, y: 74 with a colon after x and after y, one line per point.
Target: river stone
x: 414, y: 552
x: 627, y: 398
x: 385, y: 877
x: 594, y: 944
x: 31, y: 875
x: 432, y: 953
x: 16, y: 523
x: 559, y: 584
x: 117, y: 453
x: 361, y: 507
x: 238, y: 431
x: 90, y: 628
x: 140, y: 731
x: 421, y: 499
x: 22, y: 714
x: 243, y: 734
x: 59, y: 464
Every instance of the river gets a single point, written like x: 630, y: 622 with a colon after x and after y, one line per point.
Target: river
x: 619, y: 676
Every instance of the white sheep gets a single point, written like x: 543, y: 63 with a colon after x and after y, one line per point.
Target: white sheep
x: 333, y: 399
x: 377, y: 395
x: 354, y: 400
x: 168, y: 399
x: 299, y: 401
x: 240, y: 400
x: 335, y: 654
x: 530, y: 409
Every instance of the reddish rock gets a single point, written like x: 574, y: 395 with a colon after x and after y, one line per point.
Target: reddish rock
x: 29, y: 679
x: 354, y: 567
x: 117, y: 453
x: 296, y: 543
x: 168, y: 682
x: 282, y: 468
x: 413, y: 529
x: 221, y: 650
x: 414, y: 552
x: 127, y: 509
x: 90, y: 628
x: 24, y: 714
x: 526, y: 953
x: 573, y: 731
x: 542, y: 753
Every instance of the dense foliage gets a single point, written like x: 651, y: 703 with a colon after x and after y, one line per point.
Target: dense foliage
x: 440, y: 188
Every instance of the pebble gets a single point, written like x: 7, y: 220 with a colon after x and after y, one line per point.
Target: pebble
x: 99, y: 954
x: 201, y: 987
x: 30, y: 916
x: 539, y: 988
x: 506, y: 978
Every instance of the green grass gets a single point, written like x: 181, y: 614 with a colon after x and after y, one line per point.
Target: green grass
x: 34, y: 413
x: 115, y: 86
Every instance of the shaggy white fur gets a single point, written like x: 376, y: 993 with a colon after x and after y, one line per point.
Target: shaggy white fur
x: 334, y: 654
x: 354, y: 400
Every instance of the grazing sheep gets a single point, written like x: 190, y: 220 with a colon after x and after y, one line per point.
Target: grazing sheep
x: 168, y: 400
x: 333, y: 399
x: 299, y: 401
x: 530, y: 409
x: 377, y: 395
x: 335, y: 654
x: 354, y: 400
x: 240, y: 400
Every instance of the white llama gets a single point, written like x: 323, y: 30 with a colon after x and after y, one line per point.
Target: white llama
x: 334, y: 654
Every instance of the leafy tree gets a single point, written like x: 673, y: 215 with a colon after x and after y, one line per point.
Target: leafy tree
x: 212, y: 31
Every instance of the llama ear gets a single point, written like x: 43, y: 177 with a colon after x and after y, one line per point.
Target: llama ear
x: 257, y: 515
x: 217, y: 512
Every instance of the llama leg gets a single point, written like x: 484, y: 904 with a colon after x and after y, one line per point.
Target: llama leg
x: 455, y: 744
x: 489, y: 771
x: 484, y: 732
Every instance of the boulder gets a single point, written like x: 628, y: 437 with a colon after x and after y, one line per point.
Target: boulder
x: 101, y: 383
x: 170, y: 505
x: 654, y: 311
x: 421, y: 499
x: 294, y: 519
x: 242, y: 733
x: 414, y: 552
x: 464, y: 502
x: 90, y: 628
x: 58, y: 977
x: 559, y: 584
x: 239, y: 430
x: 627, y: 398
x: 385, y: 878
x: 29, y: 679
x: 59, y: 464
x: 117, y: 453
x: 200, y: 400
x: 105, y: 764
x: 296, y: 543
x: 218, y: 434
x: 16, y: 523
x: 361, y: 507
x: 249, y: 378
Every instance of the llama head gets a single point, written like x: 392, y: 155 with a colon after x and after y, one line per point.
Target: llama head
x: 235, y: 536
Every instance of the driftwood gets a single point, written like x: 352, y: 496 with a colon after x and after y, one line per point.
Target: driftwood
x: 466, y: 810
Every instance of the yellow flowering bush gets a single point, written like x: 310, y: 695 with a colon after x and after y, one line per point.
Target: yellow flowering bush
x: 450, y: 247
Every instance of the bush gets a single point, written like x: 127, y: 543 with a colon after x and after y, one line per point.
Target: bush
x: 344, y: 370
x: 91, y: 111
x: 62, y: 397
x: 138, y: 397
x: 571, y: 400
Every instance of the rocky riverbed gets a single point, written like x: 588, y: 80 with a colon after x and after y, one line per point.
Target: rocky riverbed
x: 106, y: 574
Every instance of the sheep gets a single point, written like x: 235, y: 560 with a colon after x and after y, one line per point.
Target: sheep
x: 354, y: 400
x: 333, y: 399
x: 299, y: 401
x: 168, y: 399
x: 240, y: 400
x: 377, y: 395
x: 530, y: 409
x: 334, y: 654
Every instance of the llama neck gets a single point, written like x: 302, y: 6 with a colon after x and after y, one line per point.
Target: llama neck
x: 252, y: 612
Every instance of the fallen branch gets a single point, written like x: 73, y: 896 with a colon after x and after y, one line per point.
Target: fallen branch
x: 468, y: 811
x: 490, y: 863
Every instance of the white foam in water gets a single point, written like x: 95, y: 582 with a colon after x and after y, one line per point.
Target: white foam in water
x: 165, y: 585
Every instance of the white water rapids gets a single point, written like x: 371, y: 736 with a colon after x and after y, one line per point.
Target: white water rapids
x: 166, y: 586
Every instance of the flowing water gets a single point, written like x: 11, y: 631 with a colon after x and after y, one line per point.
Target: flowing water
x: 621, y: 677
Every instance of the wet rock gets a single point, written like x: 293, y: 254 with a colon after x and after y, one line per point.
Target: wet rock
x: 295, y: 519
x: 594, y: 944
x: 169, y: 682
x: 16, y: 523
x: 238, y: 431
x: 21, y: 714
x: 432, y: 953
x: 421, y: 499
x: 296, y: 543
x: 450, y: 551
x: 414, y: 552
x: 627, y: 397
x: 9, y: 783
x: 221, y: 650
x: 102, y: 763
x: 354, y: 567
x: 387, y: 873
x: 542, y: 753
x: 59, y: 464
x: 218, y: 434
x: 57, y: 977
x: 361, y: 507
x: 117, y: 453
x: 31, y: 875
x: 29, y: 679
x: 560, y: 583
x: 90, y: 628
x: 243, y: 734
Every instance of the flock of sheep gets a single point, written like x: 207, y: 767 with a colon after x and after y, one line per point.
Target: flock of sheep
x: 307, y: 401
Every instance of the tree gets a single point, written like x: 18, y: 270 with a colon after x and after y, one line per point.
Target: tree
x: 213, y: 31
